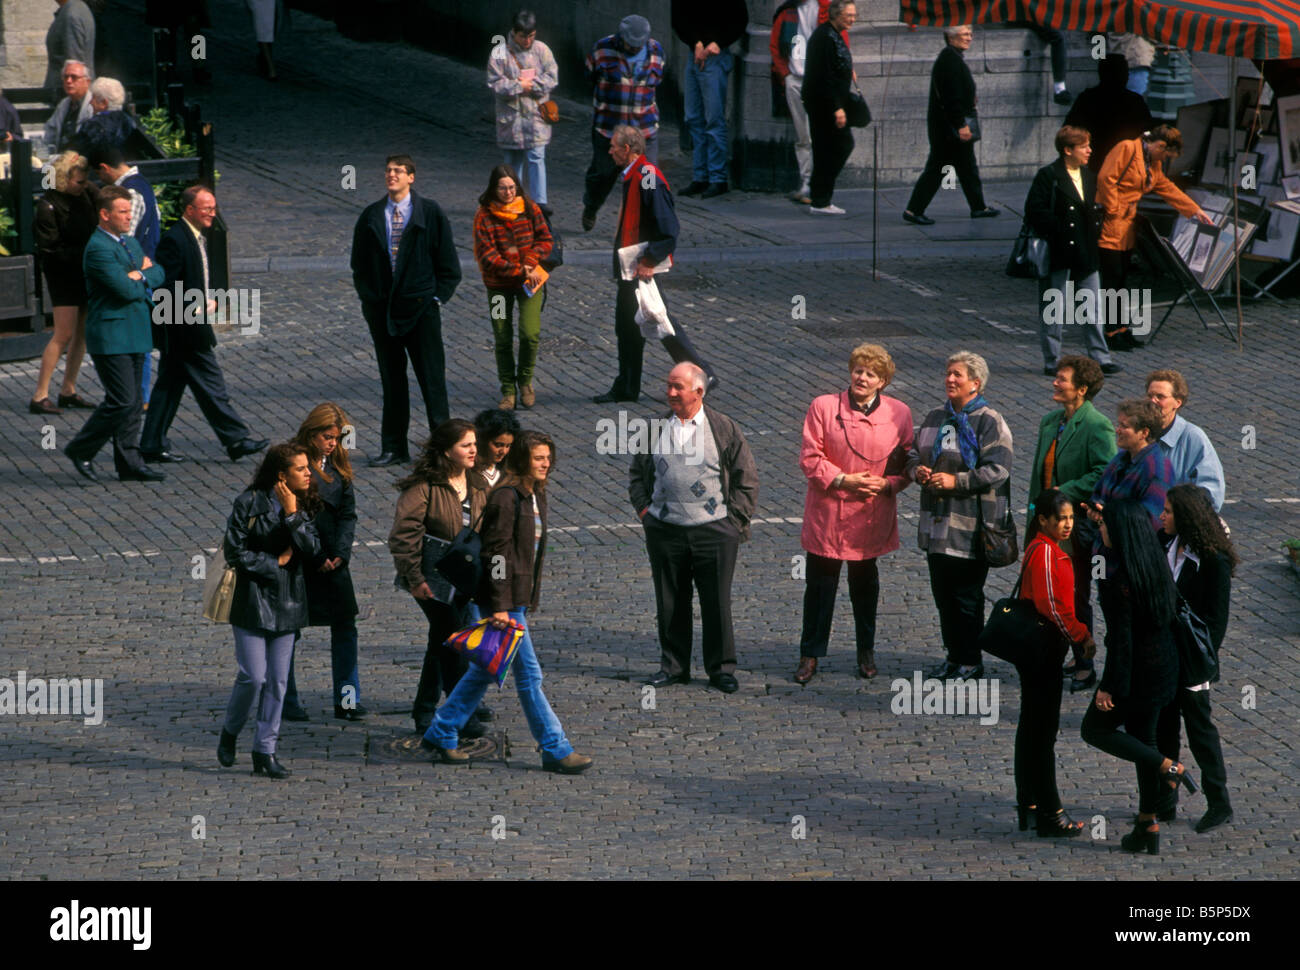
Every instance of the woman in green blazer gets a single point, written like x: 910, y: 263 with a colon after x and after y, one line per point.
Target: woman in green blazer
x: 1075, y: 443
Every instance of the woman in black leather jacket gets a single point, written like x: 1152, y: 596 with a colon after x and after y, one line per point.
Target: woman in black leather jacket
x: 270, y: 539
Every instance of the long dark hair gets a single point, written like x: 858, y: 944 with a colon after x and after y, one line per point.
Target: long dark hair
x: 433, y: 464
x: 1198, y: 524
x: 493, y: 423
x: 1133, y: 540
x: 277, y: 461
x: 499, y: 173
x: 519, y: 459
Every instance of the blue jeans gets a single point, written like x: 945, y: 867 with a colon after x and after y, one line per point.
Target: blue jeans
x: 527, y: 672
x: 706, y: 116
x: 343, y: 665
x: 530, y: 165
x: 263, y: 660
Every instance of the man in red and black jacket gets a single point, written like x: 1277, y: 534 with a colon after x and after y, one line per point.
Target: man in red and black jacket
x: 646, y: 216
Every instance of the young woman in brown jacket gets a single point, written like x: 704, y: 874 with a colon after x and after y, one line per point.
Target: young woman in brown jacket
x: 442, y: 495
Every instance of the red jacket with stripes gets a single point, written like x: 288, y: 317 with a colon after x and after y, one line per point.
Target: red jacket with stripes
x: 1049, y: 583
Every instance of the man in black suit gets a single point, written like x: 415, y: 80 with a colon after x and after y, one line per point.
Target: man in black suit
x: 948, y: 122
x: 404, y: 267
x: 183, y: 311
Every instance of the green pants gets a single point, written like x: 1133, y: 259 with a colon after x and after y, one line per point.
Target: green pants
x: 501, y: 305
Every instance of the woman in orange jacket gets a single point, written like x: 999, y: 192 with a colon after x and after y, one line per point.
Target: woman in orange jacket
x: 1048, y: 582
x: 1131, y: 170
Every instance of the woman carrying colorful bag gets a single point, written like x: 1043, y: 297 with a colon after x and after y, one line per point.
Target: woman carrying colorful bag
x: 514, y: 534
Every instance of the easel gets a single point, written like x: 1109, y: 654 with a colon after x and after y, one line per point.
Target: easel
x: 1163, y: 256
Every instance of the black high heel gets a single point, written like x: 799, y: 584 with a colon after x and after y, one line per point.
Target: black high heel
x: 1174, y: 775
x: 1145, y: 836
x: 1058, y: 825
x: 226, y: 748
x: 1022, y: 816
x: 267, y: 764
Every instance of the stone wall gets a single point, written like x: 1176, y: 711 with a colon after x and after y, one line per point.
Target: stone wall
x: 23, y: 24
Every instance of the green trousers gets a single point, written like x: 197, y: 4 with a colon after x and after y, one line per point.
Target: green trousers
x: 501, y: 304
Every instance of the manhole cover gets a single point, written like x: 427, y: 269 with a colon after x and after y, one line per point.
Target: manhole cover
x: 407, y: 748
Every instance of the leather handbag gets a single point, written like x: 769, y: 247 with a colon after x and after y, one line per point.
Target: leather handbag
x: 973, y: 123
x: 1030, y: 257
x: 1001, y: 547
x: 218, y: 594
x: 461, y: 564
x: 1017, y: 633
x: 856, y: 112
x: 550, y: 112
x: 1198, y: 661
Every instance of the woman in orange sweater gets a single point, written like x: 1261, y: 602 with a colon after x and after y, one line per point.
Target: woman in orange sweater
x: 1048, y: 581
x: 511, y: 238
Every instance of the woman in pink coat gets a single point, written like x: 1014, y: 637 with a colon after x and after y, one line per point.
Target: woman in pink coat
x: 856, y: 446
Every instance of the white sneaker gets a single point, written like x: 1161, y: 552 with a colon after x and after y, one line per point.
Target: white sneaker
x: 830, y: 210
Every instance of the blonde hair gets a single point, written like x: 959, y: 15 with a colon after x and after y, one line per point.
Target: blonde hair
x: 64, y: 166
x: 322, y: 418
x: 877, y: 358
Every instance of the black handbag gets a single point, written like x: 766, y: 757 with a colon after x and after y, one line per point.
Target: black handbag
x: 1198, y: 662
x: 856, y: 112
x: 1017, y: 633
x: 1001, y: 547
x: 461, y: 564
x: 1030, y: 259
x: 973, y: 123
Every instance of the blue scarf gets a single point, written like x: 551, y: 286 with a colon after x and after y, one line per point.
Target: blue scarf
x: 966, y: 439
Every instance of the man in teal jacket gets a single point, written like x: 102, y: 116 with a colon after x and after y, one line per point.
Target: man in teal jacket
x: 119, y: 281
x: 1075, y: 443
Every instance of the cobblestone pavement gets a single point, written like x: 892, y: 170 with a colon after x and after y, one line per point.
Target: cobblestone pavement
x: 99, y: 583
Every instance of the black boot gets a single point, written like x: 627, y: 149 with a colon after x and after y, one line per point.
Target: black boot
x: 266, y: 764
x: 1145, y: 837
x: 226, y: 749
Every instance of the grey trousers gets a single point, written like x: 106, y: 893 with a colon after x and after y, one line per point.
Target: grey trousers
x: 263, y: 659
x: 1088, y: 318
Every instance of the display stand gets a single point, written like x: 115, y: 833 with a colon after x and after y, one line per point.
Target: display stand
x: 1165, y: 258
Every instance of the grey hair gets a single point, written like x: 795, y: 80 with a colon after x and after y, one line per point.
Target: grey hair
x: 629, y: 137
x: 699, y: 379
x: 951, y: 30
x: 110, y: 90
x: 977, y: 368
x: 80, y: 64
x: 837, y: 7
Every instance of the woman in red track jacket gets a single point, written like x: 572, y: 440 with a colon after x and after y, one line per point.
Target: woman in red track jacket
x: 1047, y: 581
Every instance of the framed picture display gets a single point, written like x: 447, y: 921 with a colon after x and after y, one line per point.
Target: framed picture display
x: 1270, y: 155
x: 1277, y: 240
x: 1202, y: 248
x: 1182, y: 236
x: 1215, y: 170
x: 1232, y: 238
x: 1291, y: 186
x: 1288, y: 127
x: 1194, y: 122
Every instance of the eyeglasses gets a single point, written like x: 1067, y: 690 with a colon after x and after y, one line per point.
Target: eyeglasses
x: 74, y: 77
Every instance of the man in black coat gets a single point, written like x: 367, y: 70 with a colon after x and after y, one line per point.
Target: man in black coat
x: 1110, y: 112
x: 948, y: 122
x: 183, y: 311
x: 404, y: 267
x: 828, y: 72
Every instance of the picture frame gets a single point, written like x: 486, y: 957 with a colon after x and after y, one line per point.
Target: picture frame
x: 1232, y: 237
x: 1215, y: 169
x: 1270, y: 157
x: 1278, y: 239
x: 1202, y: 248
x: 1291, y: 186
x: 1194, y: 123
x: 1288, y: 128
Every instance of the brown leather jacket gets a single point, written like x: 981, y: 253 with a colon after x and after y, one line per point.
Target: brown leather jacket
x: 512, y: 575
x: 432, y: 507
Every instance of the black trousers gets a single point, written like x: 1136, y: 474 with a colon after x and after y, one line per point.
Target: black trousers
x: 423, y: 345
x: 117, y: 416
x: 631, y: 345
x: 831, y: 148
x: 443, y: 666
x: 1136, y: 743
x: 1081, y: 561
x: 961, y: 156
x: 197, y: 369
x: 958, y: 588
x: 1193, y: 706
x: 703, y: 556
x: 823, y: 583
x: 1040, y: 719
x: 1114, y: 276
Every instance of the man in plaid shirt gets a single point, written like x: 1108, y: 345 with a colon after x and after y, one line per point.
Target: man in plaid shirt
x: 623, y: 69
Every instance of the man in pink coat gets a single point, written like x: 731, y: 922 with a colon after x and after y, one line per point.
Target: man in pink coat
x: 856, y: 446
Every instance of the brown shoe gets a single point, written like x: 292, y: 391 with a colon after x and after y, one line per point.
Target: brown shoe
x: 450, y: 756
x: 507, y: 403
x: 867, y: 665
x: 807, y: 667
x: 75, y: 401
x: 43, y: 406
x: 574, y: 764
x: 527, y: 397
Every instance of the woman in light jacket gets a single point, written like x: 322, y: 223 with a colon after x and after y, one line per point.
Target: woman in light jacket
x: 967, y: 451
x: 442, y: 495
x: 856, y: 448
x: 270, y: 540
x: 522, y: 73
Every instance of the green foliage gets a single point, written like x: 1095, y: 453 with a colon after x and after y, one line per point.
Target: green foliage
x: 157, y: 125
x: 6, y: 229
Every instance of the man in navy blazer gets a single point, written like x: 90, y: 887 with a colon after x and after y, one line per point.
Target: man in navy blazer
x: 182, y: 318
x: 119, y: 277
x: 404, y: 267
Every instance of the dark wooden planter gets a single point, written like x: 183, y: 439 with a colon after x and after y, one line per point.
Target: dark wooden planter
x: 22, y: 322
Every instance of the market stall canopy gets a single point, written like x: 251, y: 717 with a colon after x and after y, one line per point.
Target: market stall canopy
x: 1260, y: 29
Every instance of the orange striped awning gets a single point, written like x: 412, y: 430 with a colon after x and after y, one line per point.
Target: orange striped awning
x: 1260, y: 29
